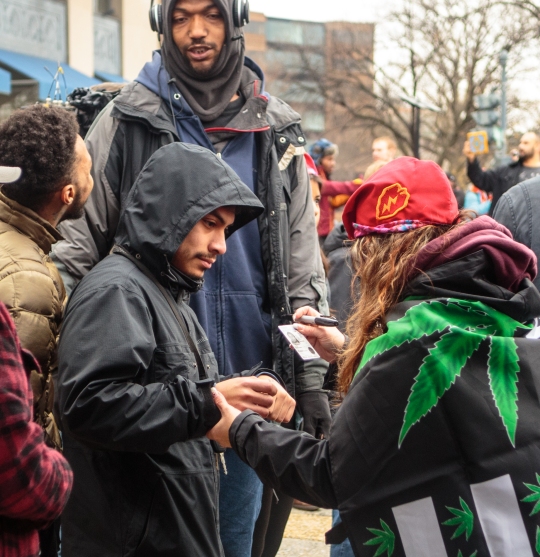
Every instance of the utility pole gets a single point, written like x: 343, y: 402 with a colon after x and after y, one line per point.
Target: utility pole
x: 503, y: 58
x: 417, y: 105
x: 416, y: 131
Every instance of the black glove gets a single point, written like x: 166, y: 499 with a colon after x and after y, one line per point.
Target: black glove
x: 315, y: 409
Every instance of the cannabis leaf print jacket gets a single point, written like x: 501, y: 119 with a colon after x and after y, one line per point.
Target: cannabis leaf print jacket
x: 435, y: 451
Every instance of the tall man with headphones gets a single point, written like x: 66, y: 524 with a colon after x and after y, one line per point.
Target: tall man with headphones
x: 201, y: 89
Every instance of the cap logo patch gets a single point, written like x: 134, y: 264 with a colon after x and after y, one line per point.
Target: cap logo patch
x: 392, y: 200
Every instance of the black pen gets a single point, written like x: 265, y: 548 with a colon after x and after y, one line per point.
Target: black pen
x: 322, y: 321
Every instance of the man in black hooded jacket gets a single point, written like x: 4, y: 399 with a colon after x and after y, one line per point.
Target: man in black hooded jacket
x: 136, y: 369
x: 201, y: 89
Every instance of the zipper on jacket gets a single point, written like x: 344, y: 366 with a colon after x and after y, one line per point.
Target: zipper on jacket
x: 223, y: 463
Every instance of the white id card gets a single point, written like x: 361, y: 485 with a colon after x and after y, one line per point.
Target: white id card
x: 299, y: 342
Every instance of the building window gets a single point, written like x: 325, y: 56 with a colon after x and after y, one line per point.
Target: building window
x: 313, y: 121
x: 291, y: 92
x: 295, y: 32
x: 34, y: 27
x: 297, y: 61
x: 107, y: 45
x: 108, y: 8
x: 255, y: 27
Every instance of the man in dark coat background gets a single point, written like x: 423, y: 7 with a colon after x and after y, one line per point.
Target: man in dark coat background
x: 502, y: 178
x: 134, y: 394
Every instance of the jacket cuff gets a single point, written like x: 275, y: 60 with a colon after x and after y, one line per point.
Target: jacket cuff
x: 240, y: 429
x: 210, y: 412
x: 255, y: 371
x: 272, y: 375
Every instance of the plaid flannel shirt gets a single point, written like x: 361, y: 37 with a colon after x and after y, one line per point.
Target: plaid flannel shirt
x: 35, y: 480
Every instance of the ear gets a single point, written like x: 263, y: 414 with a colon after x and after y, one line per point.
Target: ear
x: 67, y: 194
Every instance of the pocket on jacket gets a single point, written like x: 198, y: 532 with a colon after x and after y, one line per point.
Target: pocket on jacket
x: 182, y: 518
x: 171, y: 360
x: 138, y: 526
x: 141, y: 523
x: 319, y: 285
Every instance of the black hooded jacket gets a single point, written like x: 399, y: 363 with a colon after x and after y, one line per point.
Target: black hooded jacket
x: 421, y: 460
x: 132, y: 404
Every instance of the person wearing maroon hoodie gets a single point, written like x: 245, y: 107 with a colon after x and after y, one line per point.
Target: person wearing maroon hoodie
x: 35, y: 480
x: 324, y: 154
x: 435, y: 449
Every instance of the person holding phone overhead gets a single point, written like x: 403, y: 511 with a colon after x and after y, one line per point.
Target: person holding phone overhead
x: 501, y: 179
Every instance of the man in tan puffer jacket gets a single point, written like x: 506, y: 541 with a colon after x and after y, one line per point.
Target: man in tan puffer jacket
x: 53, y: 186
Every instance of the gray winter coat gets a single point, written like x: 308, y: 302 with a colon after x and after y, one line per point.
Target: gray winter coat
x: 517, y: 210
x: 133, y: 405
x: 138, y: 123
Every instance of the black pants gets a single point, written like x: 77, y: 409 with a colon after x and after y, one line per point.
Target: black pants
x: 271, y: 523
x: 49, y: 540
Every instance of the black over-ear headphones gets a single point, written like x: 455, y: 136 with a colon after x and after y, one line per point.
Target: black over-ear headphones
x: 240, y: 15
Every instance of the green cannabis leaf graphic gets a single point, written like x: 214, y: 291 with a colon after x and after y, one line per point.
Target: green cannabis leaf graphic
x: 384, y: 538
x: 437, y: 374
x: 535, y: 496
x: 472, y: 554
x: 503, y: 367
x: 538, y: 540
x: 464, y: 325
x: 463, y: 519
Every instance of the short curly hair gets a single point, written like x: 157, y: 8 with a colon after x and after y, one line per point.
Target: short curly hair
x: 41, y: 141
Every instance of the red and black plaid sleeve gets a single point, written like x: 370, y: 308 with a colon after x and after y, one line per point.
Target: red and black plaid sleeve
x: 35, y: 481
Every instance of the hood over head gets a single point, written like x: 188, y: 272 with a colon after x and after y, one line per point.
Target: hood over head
x: 179, y: 185
x: 322, y: 148
x: 511, y: 262
x: 208, y: 95
x: 479, y: 261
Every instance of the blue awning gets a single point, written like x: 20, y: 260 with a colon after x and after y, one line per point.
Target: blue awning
x: 34, y: 68
x: 110, y: 77
x: 5, y: 82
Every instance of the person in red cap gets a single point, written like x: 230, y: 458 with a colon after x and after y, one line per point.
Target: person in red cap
x: 435, y: 449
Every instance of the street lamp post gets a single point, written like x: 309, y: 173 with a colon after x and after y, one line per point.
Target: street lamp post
x: 416, y: 131
x: 417, y: 105
x: 503, y: 58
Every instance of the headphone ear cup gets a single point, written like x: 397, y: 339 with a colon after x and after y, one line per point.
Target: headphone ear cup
x: 156, y: 18
x: 240, y: 13
x: 245, y: 12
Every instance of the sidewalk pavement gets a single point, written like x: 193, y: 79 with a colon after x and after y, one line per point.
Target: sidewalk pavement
x: 304, y: 535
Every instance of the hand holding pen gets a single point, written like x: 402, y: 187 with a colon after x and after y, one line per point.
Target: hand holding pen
x: 321, y: 321
x: 324, y: 336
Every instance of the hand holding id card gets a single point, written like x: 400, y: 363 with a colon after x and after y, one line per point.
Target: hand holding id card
x: 299, y: 342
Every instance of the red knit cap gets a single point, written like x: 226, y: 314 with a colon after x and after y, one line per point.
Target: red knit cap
x: 403, y: 195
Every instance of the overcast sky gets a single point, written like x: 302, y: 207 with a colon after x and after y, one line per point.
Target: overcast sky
x: 319, y: 10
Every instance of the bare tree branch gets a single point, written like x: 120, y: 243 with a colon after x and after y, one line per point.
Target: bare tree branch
x: 446, y: 52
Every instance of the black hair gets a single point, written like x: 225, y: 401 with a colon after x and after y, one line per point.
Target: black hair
x: 41, y: 141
